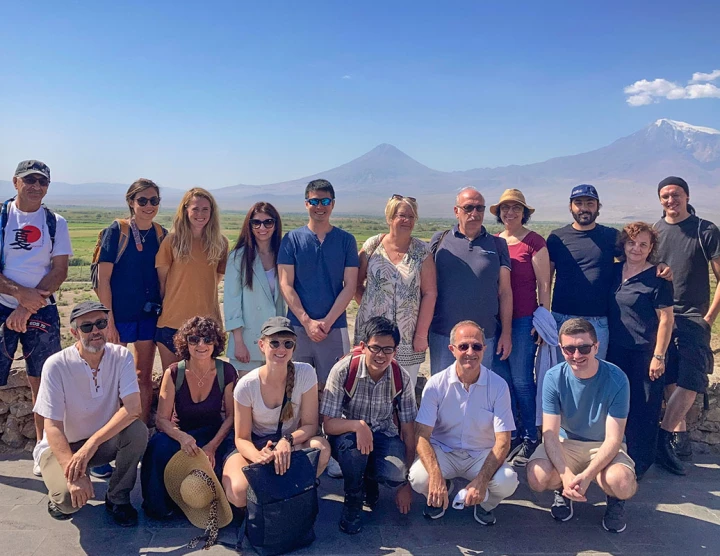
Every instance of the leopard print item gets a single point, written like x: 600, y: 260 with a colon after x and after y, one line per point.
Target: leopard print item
x: 211, y: 531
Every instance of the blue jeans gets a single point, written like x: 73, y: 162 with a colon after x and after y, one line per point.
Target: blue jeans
x: 385, y: 464
x: 518, y: 370
x: 441, y: 357
x: 601, y: 329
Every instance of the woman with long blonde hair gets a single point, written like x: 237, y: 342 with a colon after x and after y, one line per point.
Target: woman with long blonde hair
x: 190, y: 263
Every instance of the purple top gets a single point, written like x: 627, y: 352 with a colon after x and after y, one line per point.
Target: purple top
x: 190, y: 415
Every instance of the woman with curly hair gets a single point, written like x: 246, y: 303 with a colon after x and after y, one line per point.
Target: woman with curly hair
x: 276, y: 412
x: 190, y: 264
x: 193, y: 394
x: 252, y: 292
x: 640, y: 321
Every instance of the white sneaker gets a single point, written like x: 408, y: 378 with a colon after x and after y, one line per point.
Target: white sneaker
x: 36, y: 470
x: 333, y: 469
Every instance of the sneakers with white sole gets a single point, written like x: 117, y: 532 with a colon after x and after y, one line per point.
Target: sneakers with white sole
x: 36, y: 470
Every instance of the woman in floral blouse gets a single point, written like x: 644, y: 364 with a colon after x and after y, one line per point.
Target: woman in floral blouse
x: 397, y: 281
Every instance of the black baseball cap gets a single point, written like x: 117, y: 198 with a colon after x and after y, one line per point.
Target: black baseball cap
x: 277, y: 325
x: 27, y: 167
x: 87, y: 307
x: 584, y: 190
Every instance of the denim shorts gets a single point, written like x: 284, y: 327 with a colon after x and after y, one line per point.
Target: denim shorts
x: 136, y: 331
x: 164, y: 336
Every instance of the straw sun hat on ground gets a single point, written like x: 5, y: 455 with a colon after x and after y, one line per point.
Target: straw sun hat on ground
x: 511, y: 196
x: 190, y: 482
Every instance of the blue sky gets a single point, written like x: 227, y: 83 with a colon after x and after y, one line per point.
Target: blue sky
x: 221, y: 93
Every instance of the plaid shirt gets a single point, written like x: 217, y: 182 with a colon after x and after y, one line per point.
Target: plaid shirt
x: 372, y: 401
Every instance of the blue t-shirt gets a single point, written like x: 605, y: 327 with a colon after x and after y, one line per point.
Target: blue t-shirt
x: 584, y: 404
x: 319, y: 269
x: 134, y: 280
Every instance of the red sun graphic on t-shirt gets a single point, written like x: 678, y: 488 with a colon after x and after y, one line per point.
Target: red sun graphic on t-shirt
x: 32, y: 234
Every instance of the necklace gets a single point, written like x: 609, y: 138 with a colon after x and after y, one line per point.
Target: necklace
x: 201, y: 380
x: 143, y: 236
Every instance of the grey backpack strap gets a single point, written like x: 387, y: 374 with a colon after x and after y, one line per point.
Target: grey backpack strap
x: 220, y: 372
x: 180, y: 378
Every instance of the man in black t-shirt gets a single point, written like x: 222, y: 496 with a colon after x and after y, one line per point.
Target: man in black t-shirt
x: 687, y: 243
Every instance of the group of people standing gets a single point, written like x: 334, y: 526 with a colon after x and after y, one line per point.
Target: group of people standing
x: 591, y: 367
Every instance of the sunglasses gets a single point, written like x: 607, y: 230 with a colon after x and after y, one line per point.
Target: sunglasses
x: 326, y: 201
x: 32, y: 180
x: 142, y: 201
x: 287, y: 344
x: 584, y: 349
x: 387, y: 350
x: 267, y: 223
x: 470, y: 208
x: 466, y: 346
x: 194, y: 340
x: 87, y: 327
x: 403, y: 197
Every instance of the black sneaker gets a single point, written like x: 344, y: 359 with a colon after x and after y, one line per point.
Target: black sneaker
x: 432, y: 512
x: 483, y: 517
x: 527, y: 448
x: 515, y: 445
x: 351, y: 516
x: 682, y: 445
x: 562, y: 508
x: 123, y: 514
x: 55, y: 512
x: 666, y: 455
x: 614, y: 518
x: 372, y: 493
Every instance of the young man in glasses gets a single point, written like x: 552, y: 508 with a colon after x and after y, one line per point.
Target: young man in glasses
x: 476, y: 263
x: 585, y: 406
x: 85, y: 423
x: 35, y: 246
x: 463, y: 430
x: 369, y: 410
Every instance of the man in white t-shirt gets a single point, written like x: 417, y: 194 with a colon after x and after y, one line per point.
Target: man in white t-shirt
x: 34, y: 251
x: 85, y: 424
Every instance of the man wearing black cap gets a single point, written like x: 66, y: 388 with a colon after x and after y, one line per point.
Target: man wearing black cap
x: 34, y: 250
x: 85, y: 423
x: 687, y: 243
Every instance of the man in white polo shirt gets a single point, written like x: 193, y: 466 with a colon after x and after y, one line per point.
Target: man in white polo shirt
x: 463, y: 430
x: 85, y: 424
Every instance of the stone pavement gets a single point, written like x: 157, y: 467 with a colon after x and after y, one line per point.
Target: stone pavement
x: 669, y: 515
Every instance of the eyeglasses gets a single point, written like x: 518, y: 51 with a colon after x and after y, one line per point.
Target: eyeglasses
x: 32, y: 180
x: 470, y: 208
x: 267, y: 223
x: 325, y: 201
x: 584, y: 349
x: 511, y: 208
x: 387, y: 350
x: 287, y: 344
x: 87, y: 327
x: 408, y: 217
x: 466, y: 346
x: 142, y: 201
x: 194, y: 340
x: 403, y: 197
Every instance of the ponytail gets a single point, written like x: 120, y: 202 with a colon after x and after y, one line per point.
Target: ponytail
x: 287, y: 412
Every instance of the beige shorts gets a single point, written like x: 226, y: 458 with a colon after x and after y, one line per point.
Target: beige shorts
x: 578, y: 454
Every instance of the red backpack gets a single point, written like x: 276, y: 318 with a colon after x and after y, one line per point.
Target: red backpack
x: 351, y: 380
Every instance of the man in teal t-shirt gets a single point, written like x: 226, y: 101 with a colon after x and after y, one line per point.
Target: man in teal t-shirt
x: 585, y: 407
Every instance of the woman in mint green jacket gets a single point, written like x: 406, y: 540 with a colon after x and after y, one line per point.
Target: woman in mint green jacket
x: 252, y: 292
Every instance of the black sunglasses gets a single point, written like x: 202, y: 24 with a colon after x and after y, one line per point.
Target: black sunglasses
x: 267, y: 223
x: 466, y: 346
x: 32, y: 180
x: 387, y: 350
x: 325, y: 201
x: 87, y: 327
x: 194, y: 340
x: 403, y: 197
x: 470, y: 208
x: 142, y: 201
x: 287, y: 344
x: 584, y: 349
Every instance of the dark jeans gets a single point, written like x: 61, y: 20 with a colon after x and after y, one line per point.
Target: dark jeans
x: 160, y: 451
x: 385, y: 464
x: 646, y: 398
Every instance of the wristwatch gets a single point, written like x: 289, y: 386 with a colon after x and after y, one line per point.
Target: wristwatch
x: 289, y: 438
x: 659, y: 357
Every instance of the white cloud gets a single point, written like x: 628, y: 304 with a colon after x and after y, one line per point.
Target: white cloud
x: 347, y: 77
x: 645, y: 92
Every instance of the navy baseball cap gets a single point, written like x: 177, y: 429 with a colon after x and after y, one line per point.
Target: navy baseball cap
x: 584, y: 190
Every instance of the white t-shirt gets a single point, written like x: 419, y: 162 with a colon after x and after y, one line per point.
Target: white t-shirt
x: 28, y: 248
x: 68, y: 392
x: 265, y: 420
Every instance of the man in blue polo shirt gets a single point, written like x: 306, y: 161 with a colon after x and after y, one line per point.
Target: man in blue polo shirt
x: 318, y: 268
x: 473, y: 281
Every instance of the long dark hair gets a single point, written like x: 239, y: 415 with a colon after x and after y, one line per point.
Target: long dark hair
x: 247, y: 240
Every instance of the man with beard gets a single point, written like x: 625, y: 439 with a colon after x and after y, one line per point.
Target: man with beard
x: 85, y: 423
x: 687, y: 243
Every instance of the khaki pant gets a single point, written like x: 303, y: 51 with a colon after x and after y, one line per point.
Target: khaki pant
x: 578, y: 454
x: 126, y: 448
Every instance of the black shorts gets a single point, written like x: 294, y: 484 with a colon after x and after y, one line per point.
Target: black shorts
x: 689, y: 357
x: 41, y: 340
x: 165, y: 336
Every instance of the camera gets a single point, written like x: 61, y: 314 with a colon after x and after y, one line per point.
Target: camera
x: 153, y: 308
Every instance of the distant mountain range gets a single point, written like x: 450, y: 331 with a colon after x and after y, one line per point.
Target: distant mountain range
x: 625, y: 172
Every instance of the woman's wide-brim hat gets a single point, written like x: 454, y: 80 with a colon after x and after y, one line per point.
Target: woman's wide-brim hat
x: 511, y: 196
x: 193, y: 492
